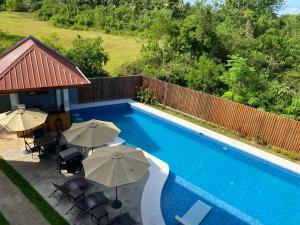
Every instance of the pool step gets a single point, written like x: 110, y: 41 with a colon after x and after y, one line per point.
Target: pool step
x: 195, y: 214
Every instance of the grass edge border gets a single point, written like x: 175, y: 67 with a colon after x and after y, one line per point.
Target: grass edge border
x: 3, y: 220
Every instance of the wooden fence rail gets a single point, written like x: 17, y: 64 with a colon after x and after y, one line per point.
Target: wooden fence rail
x: 267, y: 127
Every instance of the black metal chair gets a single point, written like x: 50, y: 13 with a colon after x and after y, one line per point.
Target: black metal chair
x: 74, y: 165
x: 67, y: 187
x: 33, y: 149
x: 60, y: 164
x: 61, y: 188
x: 87, y: 203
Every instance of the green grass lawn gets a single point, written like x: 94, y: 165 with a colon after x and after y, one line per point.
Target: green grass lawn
x: 121, y: 49
x: 3, y: 221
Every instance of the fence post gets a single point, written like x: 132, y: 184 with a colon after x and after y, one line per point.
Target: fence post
x: 165, y: 94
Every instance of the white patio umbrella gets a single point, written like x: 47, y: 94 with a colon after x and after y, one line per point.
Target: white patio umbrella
x: 92, y: 133
x: 22, y: 119
x: 115, y: 166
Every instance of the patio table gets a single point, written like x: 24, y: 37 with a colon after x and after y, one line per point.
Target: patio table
x: 69, y: 153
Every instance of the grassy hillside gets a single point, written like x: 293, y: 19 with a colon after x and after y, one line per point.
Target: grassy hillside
x: 121, y: 49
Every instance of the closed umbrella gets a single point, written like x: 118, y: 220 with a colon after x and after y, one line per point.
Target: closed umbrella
x: 115, y: 166
x: 92, y: 133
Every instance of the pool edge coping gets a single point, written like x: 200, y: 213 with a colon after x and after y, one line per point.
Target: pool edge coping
x: 151, y: 198
x: 251, y: 150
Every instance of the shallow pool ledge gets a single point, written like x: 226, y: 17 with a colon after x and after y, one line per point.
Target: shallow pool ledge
x: 150, y: 203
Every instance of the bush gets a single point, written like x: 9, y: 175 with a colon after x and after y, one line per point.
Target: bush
x: 14, y: 5
x: 145, y: 95
x: 131, y: 69
x: 89, y: 55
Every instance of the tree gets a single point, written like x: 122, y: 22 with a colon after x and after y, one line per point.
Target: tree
x: 89, y: 56
x: 243, y: 81
x: 206, y: 76
x: 14, y: 5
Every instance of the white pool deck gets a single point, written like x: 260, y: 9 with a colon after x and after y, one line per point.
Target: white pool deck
x: 150, y: 203
x: 150, y: 206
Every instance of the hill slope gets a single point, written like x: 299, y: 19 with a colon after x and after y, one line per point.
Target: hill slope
x: 121, y: 49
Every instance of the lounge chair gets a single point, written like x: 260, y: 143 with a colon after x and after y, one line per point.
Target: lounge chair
x: 122, y: 219
x: 87, y: 203
x: 195, y: 214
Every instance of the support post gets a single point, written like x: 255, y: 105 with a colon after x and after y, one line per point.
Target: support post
x: 66, y: 100
x: 14, y: 100
x: 58, y: 98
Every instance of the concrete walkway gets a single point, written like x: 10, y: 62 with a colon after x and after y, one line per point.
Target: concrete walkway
x: 15, y: 207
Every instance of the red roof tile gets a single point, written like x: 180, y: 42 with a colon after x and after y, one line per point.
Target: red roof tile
x: 32, y: 65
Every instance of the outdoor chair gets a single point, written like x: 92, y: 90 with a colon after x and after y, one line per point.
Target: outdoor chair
x: 122, y: 219
x: 74, y: 165
x: 32, y: 150
x: 60, y: 164
x: 61, y: 188
x: 37, y: 133
x: 87, y: 203
x: 67, y: 187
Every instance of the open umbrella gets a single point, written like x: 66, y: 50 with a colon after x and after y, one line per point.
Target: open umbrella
x: 22, y: 119
x: 92, y: 133
x: 115, y: 166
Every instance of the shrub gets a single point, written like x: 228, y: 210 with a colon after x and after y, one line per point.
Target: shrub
x: 89, y: 55
x: 145, y: 95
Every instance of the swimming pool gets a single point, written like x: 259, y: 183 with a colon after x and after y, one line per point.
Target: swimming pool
x: 242, y: 189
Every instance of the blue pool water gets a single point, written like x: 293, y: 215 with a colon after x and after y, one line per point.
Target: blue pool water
x: 241, y: 189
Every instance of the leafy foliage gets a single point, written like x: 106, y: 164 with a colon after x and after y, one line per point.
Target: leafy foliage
x: 145, y: 95
x: 89, y: 56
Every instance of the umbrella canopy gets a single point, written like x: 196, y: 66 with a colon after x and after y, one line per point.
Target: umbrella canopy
x: 117, y: 165
x: 92, y: 133
x: 22, y: 119
x: 114, y: 166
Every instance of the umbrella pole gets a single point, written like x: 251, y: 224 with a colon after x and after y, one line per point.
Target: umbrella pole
x: 116, y: 204
x: 24, y: 140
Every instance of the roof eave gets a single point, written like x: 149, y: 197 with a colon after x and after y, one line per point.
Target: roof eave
x: 41, y: 88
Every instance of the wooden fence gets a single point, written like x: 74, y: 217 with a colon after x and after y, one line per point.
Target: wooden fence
x: 266, y: 127
x: 107, y: 88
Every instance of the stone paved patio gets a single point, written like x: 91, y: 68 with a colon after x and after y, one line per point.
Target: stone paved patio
x: 40, y: 174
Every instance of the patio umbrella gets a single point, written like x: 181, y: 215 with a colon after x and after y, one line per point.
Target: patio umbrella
x: 115, y: 166
x: 92, y: 133
x: 22, y: 119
